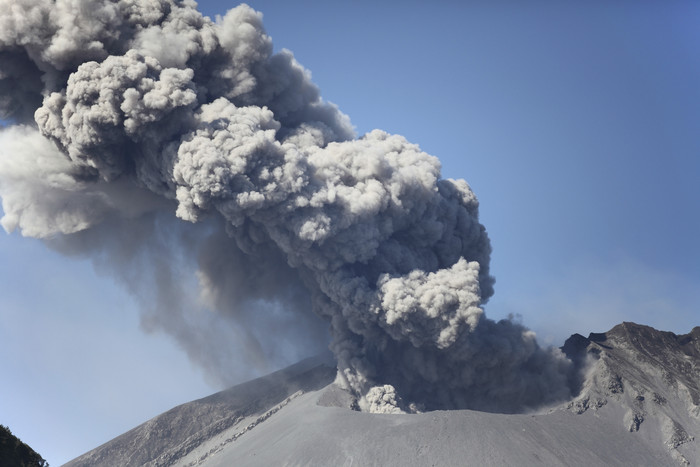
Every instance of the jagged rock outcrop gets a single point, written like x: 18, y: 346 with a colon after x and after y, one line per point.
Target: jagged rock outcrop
x: 653, y: 376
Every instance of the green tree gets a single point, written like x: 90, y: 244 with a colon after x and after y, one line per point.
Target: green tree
x: 15, y: 453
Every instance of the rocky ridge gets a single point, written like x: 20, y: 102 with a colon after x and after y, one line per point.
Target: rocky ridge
x: 654, y: 376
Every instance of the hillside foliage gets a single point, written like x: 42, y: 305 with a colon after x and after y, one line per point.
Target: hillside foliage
x: 13, y: 452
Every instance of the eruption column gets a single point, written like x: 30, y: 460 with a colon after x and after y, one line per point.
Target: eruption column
x: 125, y: 113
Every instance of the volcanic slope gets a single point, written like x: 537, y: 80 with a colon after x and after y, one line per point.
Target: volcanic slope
x: 639, y: 404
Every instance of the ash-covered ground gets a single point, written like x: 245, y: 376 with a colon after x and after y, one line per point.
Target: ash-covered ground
x: 638, y: 404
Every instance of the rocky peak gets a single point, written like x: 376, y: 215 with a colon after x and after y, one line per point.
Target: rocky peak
x: 653, y: 376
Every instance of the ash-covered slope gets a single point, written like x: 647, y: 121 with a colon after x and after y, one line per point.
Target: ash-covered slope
x: 172, y: 435
x: 639, y: 404
x: 653, y: 376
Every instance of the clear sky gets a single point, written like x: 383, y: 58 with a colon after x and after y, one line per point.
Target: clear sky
x: 578, y: 127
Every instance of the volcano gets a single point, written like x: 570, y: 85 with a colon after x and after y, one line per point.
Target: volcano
x: 637, y: 403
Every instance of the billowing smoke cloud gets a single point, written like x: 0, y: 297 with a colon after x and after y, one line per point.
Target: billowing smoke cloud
x: 128, y: 115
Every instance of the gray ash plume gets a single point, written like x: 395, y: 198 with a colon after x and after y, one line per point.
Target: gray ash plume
x: 129, y: 118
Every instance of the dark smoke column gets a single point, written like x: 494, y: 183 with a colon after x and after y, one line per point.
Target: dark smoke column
x: 121, y: 101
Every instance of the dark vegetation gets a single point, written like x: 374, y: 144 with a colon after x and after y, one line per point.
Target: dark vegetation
x: 15, y: 453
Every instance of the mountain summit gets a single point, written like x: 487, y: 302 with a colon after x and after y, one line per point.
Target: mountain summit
x: 653, y: 376
x: 638, y: 404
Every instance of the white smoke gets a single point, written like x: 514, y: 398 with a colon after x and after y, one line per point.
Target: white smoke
x: 145, y: 110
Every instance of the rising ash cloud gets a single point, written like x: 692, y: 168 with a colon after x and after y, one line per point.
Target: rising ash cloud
x: 171, y: 148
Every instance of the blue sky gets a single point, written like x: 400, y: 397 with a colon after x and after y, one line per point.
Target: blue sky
x: 578, y: 127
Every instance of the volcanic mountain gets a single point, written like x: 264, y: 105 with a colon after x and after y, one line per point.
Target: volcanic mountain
x: 637, y: 403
